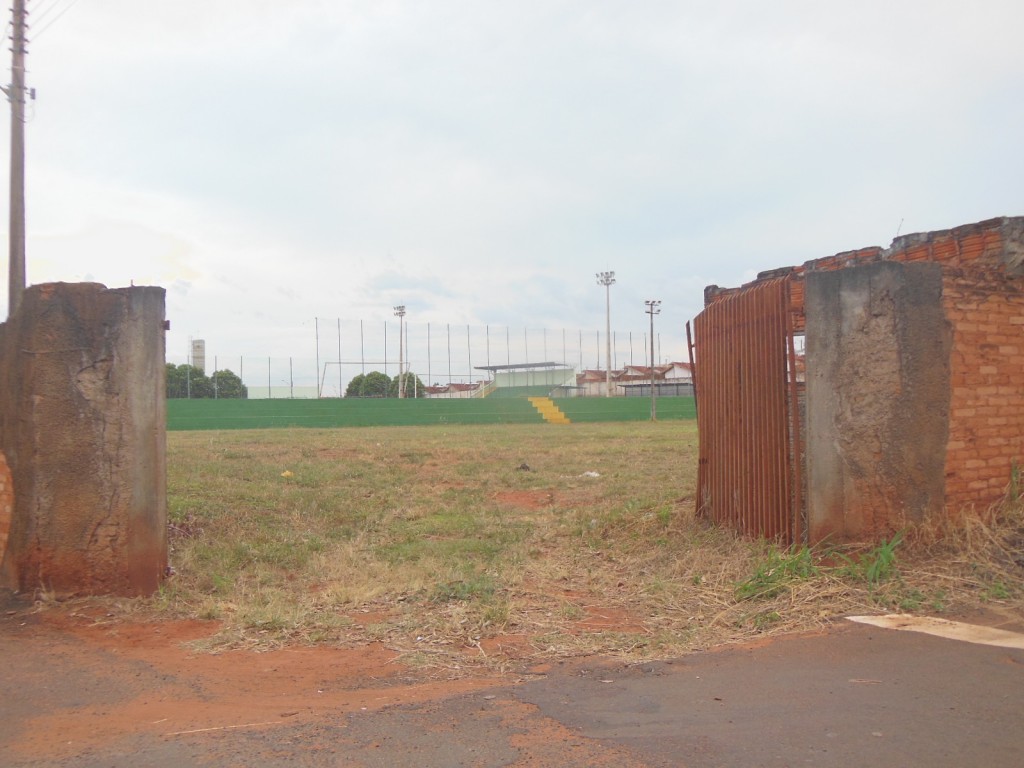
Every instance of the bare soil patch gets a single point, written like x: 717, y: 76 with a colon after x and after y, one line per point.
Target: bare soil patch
x: 104, y: 679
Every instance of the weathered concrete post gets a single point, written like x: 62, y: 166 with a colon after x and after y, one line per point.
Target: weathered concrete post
x: 82, y: 428
x: 878, y: 394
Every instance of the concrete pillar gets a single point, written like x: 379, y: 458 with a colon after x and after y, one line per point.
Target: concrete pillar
x: 82, y: 427
x: 878, y: 393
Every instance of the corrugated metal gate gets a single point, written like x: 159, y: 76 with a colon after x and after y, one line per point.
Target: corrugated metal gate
x: 748, y: 413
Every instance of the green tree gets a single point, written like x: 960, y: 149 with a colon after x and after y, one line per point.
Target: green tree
x: 187, y: 381
x: 355, y: 385
x: 413, y: 386
x: 373, y: 384
x: 228, y: 385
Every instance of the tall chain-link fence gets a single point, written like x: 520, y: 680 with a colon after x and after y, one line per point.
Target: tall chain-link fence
x: 438, y: 354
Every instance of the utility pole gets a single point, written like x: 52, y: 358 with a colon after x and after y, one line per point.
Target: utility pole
x: 16, y: 95
x: 607, y: 279
x: 653, y: 308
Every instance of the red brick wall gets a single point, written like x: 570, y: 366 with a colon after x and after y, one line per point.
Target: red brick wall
x: 986, y: 433
x: 983, y: 301
x: 985, y: 308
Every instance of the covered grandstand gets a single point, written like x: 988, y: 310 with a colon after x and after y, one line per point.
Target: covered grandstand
x: 530, y: 379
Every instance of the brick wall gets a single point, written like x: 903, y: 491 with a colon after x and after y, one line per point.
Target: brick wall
x: 986, y: 436
x: 983, y: 303
x: 983, y: 300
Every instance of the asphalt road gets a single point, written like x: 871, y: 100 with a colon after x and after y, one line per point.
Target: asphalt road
x: 855, y: 696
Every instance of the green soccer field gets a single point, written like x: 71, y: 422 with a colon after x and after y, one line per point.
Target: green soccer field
x: 351, y: 412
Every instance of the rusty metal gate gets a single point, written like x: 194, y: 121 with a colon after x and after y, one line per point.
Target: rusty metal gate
x: 748, y: 413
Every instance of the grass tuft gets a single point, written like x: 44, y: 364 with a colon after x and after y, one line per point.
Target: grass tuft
x: 776, y: 572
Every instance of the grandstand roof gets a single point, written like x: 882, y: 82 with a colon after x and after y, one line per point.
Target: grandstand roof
x: 520, y: 366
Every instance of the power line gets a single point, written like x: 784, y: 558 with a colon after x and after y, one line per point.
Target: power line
x: 44, y: 10
x: 55, y: 19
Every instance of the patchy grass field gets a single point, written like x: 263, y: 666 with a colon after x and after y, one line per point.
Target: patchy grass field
x: 482, y: 545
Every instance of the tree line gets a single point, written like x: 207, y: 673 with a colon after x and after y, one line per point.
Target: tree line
x: 188, y: 381
x: 377, y: 384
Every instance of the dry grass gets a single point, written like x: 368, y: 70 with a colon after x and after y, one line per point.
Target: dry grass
x: 438, y: 543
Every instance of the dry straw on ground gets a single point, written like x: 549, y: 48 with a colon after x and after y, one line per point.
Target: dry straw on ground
x: 504, y: 546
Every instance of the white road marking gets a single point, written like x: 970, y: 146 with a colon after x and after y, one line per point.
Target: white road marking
x: 953, y: 630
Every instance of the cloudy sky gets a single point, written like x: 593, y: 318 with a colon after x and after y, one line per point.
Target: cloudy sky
x: 274, y: 162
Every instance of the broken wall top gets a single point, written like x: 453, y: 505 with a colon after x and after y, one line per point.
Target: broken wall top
x: 995, y: 246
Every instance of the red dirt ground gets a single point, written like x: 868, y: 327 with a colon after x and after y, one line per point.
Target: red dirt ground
x: 97, y: 681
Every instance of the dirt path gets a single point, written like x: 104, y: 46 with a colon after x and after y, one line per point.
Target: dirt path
x: 80, y: 692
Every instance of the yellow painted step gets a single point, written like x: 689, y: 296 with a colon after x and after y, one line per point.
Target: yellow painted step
x: 547, y: 408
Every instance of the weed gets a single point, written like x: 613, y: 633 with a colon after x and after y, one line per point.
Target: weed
x: 997, y: 590
x: 495, y: 615
x: 478, y: 588
x: 910, y: 601
x: 571, y: 611
x: 656, y: 585
x: 210, y: 612
x: 776, y: 572
x: 876, y: 565
x: 880, y: 563
x: 766, y: 619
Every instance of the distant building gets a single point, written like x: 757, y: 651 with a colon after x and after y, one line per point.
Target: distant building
x: 456, y: 390
x: 671, y: 379
x: 199, y: 354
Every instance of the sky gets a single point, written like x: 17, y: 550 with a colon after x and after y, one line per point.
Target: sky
x: 273, y: 163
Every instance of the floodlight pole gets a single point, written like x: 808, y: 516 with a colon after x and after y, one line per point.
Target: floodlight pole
x: 652, y: 310
x: 400, y: 314
x: 16, y: 95
x: 607, y: 279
